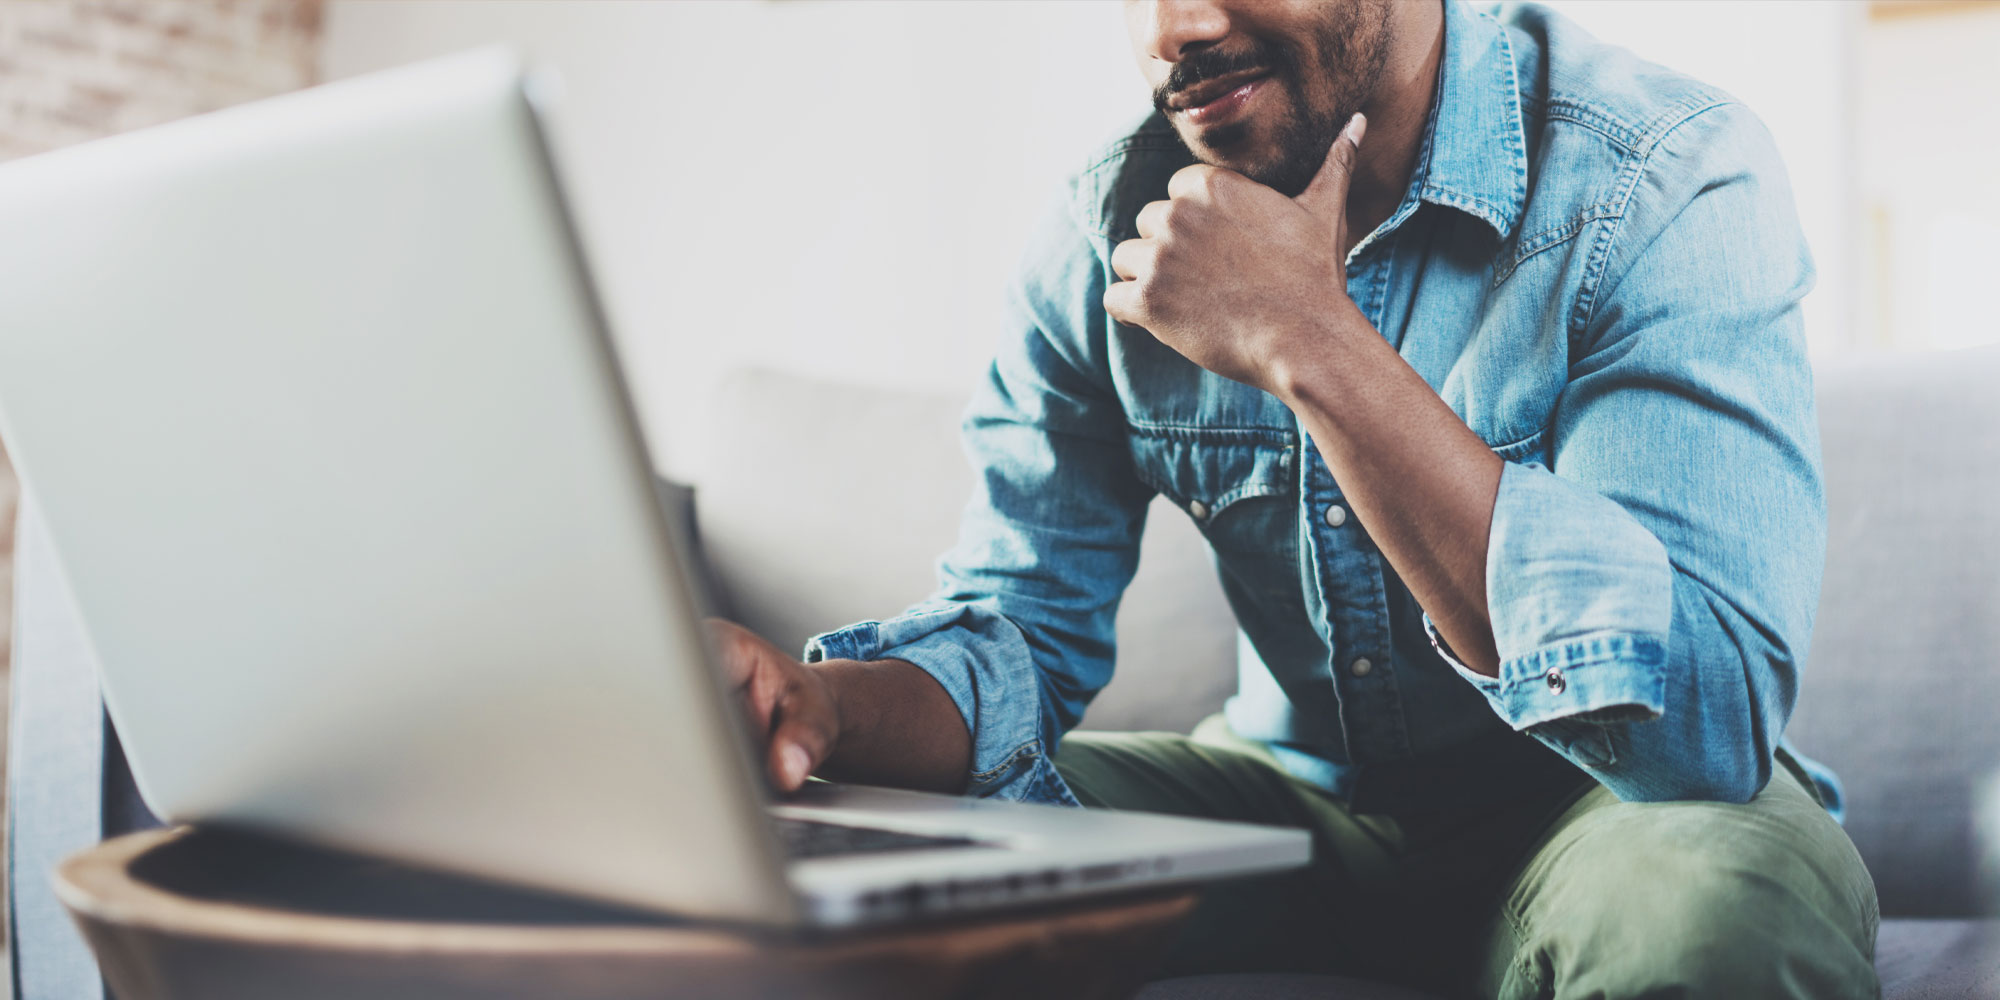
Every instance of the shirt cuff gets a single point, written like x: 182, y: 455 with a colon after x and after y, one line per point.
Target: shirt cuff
x: 982, y: 661
x: 1599, y: 678
x: 1580, y: 595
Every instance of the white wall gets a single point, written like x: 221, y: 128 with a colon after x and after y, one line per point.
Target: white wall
x: 843, y: 188
x: 830, y: 188
x: 1792, y: 62
x: 1929, y: 128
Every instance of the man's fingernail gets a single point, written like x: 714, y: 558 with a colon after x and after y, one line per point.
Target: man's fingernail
x: 1357, y: 127
x: 795, y: 762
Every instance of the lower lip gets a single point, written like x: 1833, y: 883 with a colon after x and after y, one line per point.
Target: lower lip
x: 1226, y: 107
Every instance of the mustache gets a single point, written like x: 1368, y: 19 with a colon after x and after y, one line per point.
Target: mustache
x: 1208, y: 64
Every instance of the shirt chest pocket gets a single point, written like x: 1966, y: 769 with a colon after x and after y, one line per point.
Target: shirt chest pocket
x: 1239, y: 487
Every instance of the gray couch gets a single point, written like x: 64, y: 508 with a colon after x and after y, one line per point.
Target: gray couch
x: 824, y: 504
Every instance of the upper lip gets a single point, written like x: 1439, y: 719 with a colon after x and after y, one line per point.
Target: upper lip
x: 1208, y: 90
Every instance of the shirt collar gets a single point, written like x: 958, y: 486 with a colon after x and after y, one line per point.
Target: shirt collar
x: 1475, y: 156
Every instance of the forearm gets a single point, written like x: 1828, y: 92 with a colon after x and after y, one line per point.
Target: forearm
x: 1420, y: 481
x: 898, y: 727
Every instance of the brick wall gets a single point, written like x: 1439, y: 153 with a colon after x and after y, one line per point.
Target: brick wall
x: 72, y: 70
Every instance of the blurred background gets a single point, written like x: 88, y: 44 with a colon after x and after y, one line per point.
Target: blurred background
x: 841, y: 188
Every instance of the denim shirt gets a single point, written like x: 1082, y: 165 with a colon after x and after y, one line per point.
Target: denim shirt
x: 1598, y: 266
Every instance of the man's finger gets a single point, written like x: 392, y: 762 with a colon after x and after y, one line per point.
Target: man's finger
x: 764, y: 693
x: 726, y: 639
x: 1122, y: 302
x: 1133, y: 259
x: 800, y: 742
x: 1152, y: 220
x: 1195, y: 181
x: 1326, y: 196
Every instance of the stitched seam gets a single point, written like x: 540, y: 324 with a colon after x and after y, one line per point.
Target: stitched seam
x: 1270, y: 485
x: 1560, y: 110
x: 1549, y: 239
x: 1205, y: 432
x: 1488, y: 212
x: 1245, y: 493
x: 1024, y: 751
x: 1522, y: 444
x: 1585, y: 310
x: 1612, y: 646
x: 1664, y: 124
x: 1638, y: 139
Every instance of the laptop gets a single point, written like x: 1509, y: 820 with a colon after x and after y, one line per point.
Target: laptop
x: 332, y: 444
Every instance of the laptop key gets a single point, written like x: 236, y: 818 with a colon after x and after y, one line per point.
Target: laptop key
x: 806, y: 838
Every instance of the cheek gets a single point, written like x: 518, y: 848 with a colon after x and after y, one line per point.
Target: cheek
x: 1303, y: 96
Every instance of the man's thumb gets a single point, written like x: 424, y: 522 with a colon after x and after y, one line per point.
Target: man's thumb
x: 1326, y: 196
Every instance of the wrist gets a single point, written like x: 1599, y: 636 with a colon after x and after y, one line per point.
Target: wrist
x: 894, y: 724
x: 837, y: 679
x: 1314, y: 353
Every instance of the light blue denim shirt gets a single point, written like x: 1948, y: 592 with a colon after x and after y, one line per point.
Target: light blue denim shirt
x: 1597, y: 265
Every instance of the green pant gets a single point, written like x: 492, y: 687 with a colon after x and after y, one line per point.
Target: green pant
x: 1564, y: 893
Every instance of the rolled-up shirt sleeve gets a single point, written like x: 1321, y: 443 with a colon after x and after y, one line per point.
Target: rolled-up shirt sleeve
x: 1020, y: 631
x: 1651, y: 580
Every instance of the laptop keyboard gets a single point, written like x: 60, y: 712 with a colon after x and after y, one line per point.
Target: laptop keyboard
x: 806, y: 838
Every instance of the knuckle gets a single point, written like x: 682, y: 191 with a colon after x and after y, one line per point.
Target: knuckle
x: 1121, y: 259
x: 1146, y: 295
x: 812, y: 730
x: 1197, y: 179
x: 1124, y: 301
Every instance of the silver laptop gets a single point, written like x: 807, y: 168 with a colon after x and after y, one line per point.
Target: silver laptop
x: 330, y: 438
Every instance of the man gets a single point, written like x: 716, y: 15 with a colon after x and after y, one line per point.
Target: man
x: 1473, y: 347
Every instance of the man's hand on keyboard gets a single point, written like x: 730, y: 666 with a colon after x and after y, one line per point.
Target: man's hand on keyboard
x: 878, y: 722
x: 791, y: 706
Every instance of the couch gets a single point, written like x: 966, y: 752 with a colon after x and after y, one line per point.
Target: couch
x: 824, y: 503
x: 821, y: 504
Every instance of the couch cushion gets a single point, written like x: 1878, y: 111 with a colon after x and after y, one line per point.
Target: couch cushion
x: 1916, y: 959
x: 1938, y: 959
x: 824, y: 503
x: 1903, y: 682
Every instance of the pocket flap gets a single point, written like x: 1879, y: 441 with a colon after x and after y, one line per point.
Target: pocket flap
x: 1205, y: 471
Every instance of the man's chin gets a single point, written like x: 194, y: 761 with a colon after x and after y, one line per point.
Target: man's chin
x: 1257, y: 165
x: 1274, y: 157
x: 1232, y: 147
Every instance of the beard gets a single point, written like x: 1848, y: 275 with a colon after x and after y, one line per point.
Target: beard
x: 1349, y: 47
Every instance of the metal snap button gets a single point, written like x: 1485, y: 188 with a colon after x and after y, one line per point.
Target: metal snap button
x: 1557, y: 682
x: 1360, y: 667
x: 1198, y: 509
x: 1336, y: 515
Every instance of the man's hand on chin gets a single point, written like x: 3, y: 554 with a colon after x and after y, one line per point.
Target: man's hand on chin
x: 1234, y: 275
x: 1252, y: 286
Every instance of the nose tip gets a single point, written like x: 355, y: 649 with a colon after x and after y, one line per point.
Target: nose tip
x: 1176, y: 29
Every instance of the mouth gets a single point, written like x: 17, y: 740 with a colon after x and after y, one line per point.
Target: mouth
x: 1211, y: 102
